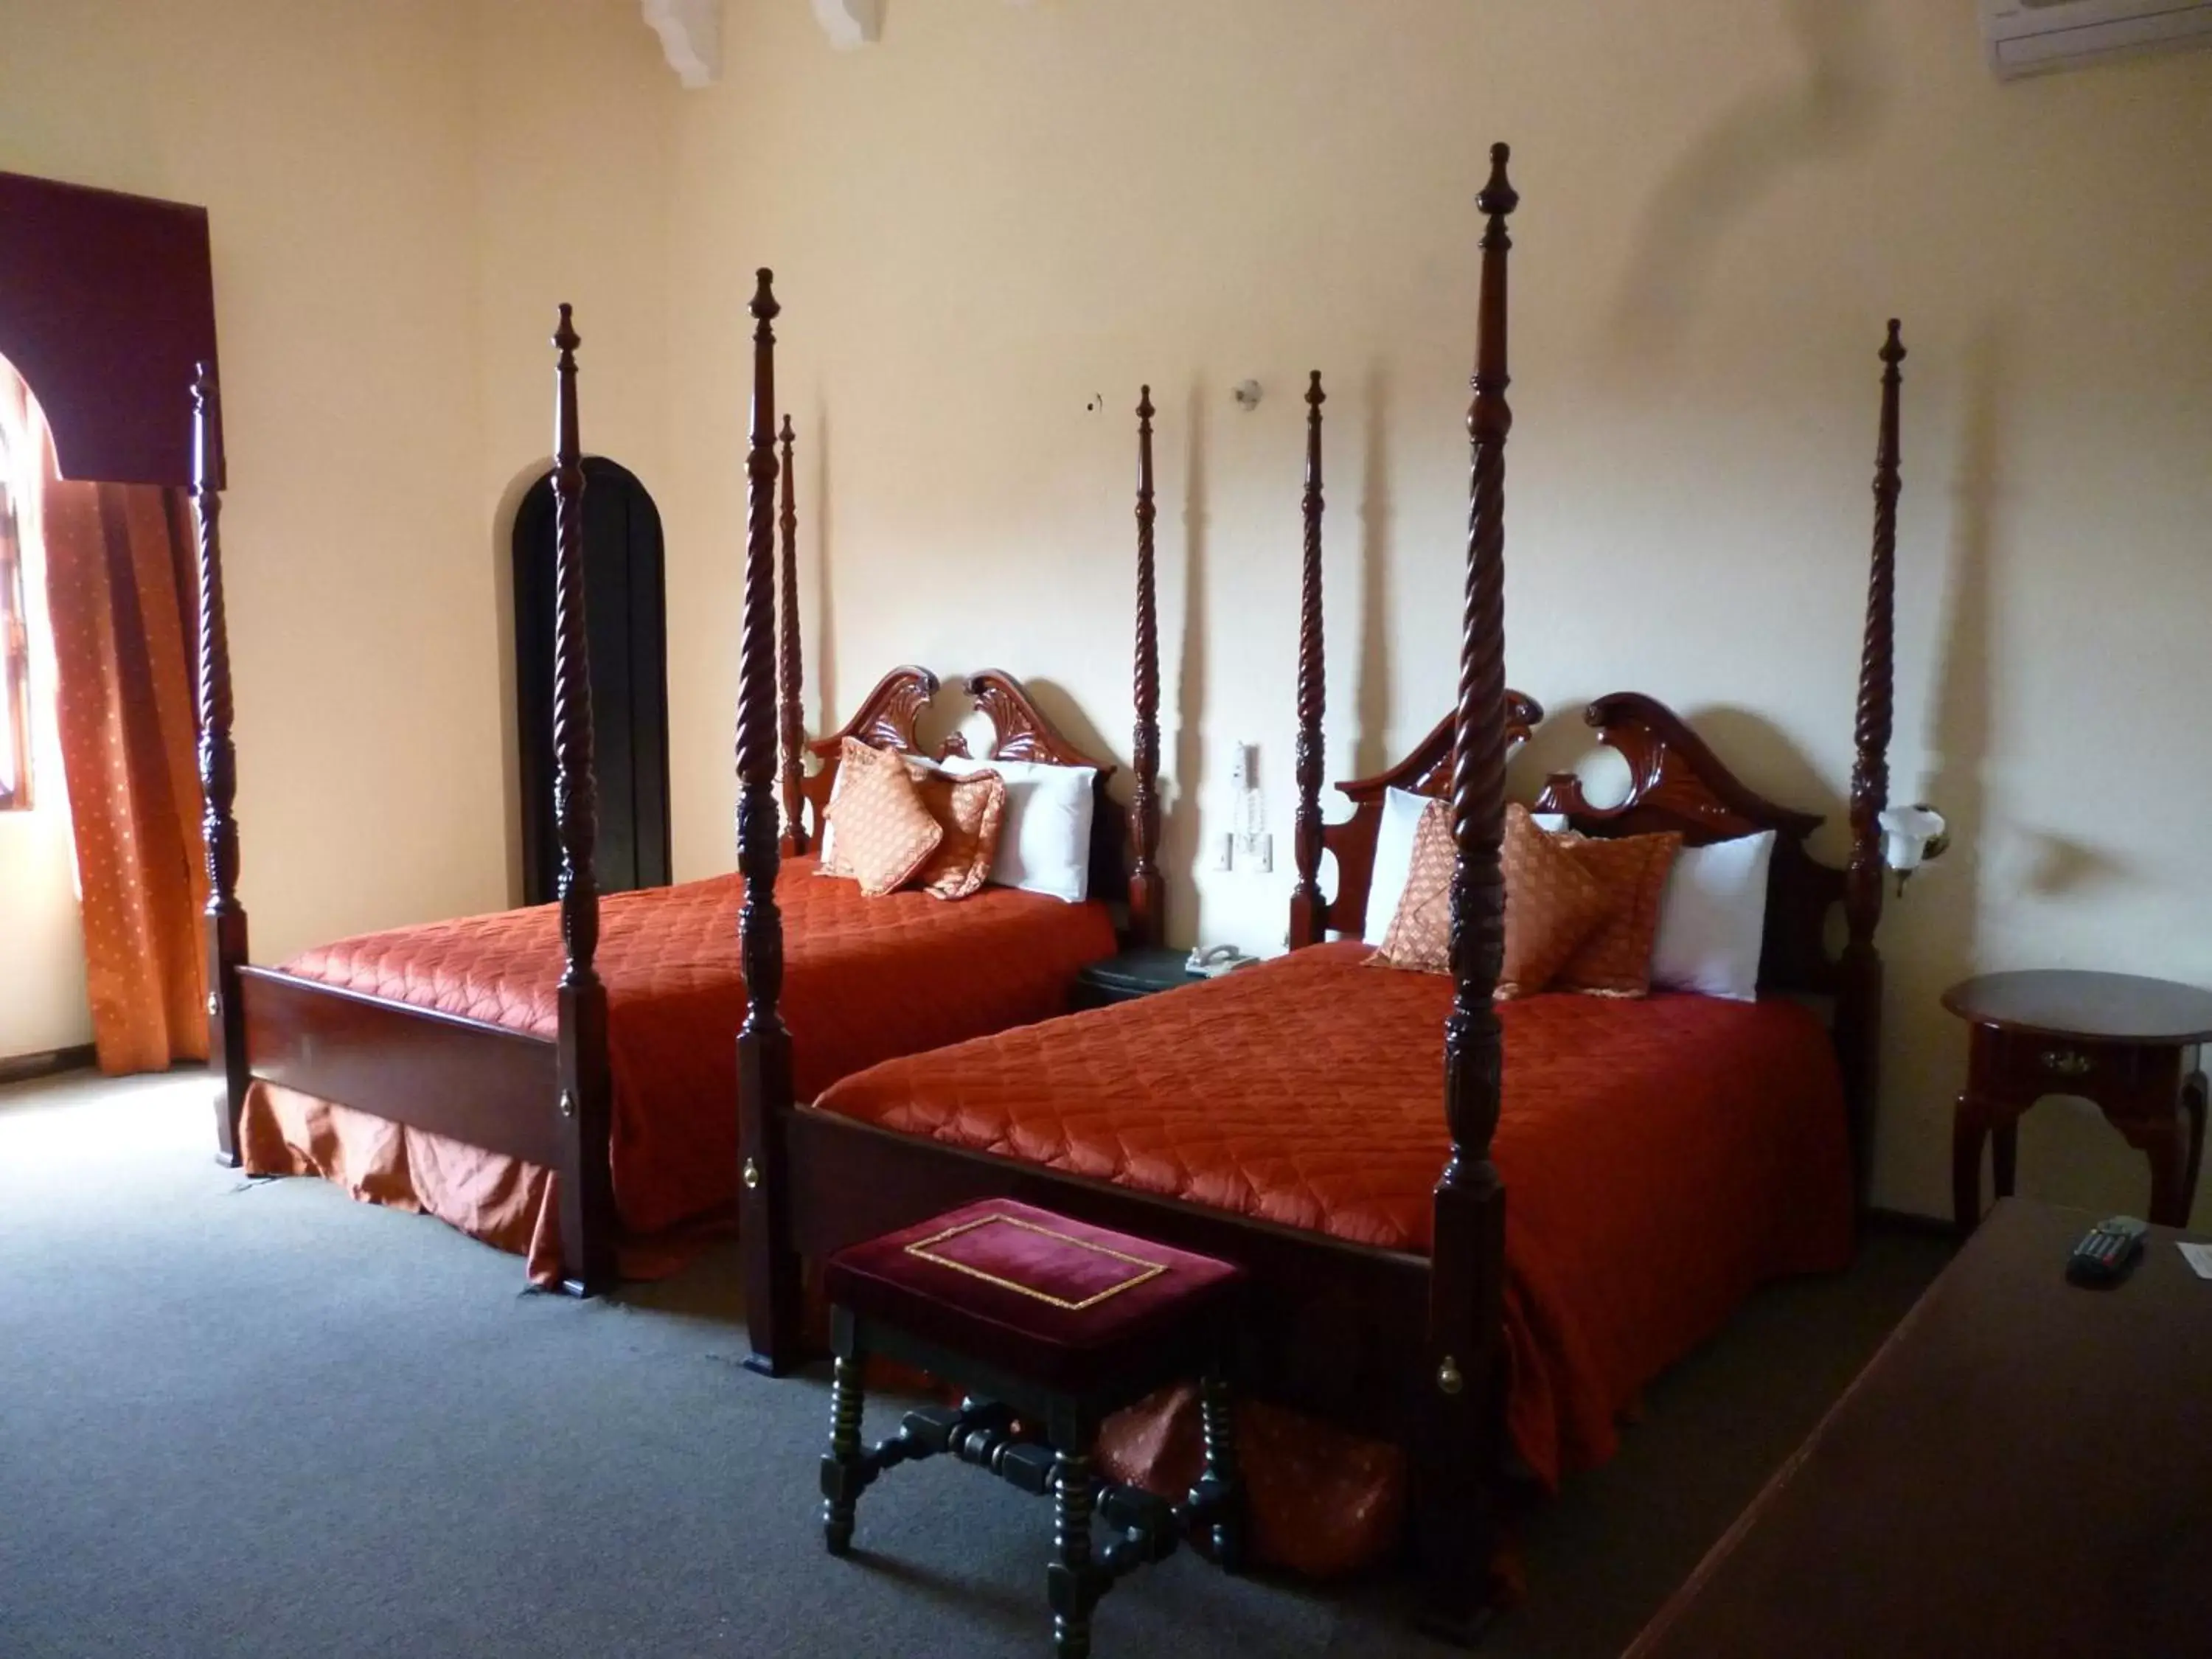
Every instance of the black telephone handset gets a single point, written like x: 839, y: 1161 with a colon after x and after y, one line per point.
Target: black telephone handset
x: 2108, y: 1252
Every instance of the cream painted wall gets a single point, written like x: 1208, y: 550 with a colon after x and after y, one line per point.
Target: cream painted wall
x: 997, y: 214
x: 399, y: 192
x: 576, y: 132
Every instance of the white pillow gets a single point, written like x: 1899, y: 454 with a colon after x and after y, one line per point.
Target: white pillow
x: 1712, y: 917
x: 829, y: 829
x: 1044, y: 840
x: 1394, y: 860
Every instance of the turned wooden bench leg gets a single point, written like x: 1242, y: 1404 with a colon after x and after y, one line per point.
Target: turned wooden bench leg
x: 843, y: 1470
x: 1071, y: 1581
x: 1220, y: 1490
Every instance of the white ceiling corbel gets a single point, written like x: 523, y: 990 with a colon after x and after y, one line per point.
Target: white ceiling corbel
x: 690, y: 34
x: 850, y: 23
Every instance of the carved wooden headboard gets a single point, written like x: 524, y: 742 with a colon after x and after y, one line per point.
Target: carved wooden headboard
x: 1676, y: 783
x: 888, y: 718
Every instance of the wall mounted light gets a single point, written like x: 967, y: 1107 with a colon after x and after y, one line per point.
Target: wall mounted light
x: 1910, y: 835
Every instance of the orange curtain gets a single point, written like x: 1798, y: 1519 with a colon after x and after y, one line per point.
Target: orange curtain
x: 122, y: 587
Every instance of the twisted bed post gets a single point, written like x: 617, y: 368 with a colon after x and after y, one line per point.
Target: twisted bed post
x: 1146, y: 910
x: 218, y: 758
x: 1454, y: 1524
x: 1307, y: 908
x: 1858, y: 1009
x: 771, y: 1275
x: 587, y: 1100
x: 790, y: 675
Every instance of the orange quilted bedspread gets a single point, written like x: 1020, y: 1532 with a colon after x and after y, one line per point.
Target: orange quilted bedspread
x: 864, y: 979
x: 1661, y: 1157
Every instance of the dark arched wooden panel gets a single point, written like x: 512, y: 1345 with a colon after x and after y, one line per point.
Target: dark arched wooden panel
x: 626, y: 611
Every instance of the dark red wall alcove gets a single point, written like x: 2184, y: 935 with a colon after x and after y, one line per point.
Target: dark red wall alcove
x: 106, y: 302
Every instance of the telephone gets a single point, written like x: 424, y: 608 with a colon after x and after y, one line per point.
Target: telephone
x: 1219, y: 960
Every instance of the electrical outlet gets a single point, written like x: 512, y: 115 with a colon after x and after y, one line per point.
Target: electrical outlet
x: 1260, y: 851
x: 1225, y: 857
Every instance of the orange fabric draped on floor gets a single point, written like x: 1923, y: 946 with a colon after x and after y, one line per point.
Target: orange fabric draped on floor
x: 122, y: 591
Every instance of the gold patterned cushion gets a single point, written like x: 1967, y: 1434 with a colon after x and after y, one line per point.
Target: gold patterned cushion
x: 884, y: 833
x: 1551, y: 904
x: 1419, y: 934
x: 854, y: 758
x: 969, y: 810
x: 1615, y: 960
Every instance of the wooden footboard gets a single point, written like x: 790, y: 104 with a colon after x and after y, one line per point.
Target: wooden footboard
x: 484, y: 1085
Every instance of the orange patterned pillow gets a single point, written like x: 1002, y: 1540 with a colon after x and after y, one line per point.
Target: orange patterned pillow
x: 1551, y: 904
x: 1615, y: 960
x: 884, y: 833
x: 854, y: 758
x: 969, y: 810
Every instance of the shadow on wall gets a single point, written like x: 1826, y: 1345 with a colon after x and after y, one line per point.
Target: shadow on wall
x: 1829, y: 110
x: 824, y: 636
x: 1959, y: 721
x: 1179, y: 822
x: 1056, y: 705
x: 1371, y: 702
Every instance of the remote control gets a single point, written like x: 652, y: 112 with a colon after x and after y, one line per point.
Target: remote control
x: 2108, y: 1253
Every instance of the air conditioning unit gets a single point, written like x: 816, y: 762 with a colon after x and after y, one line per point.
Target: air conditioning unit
x: 2027, y: 36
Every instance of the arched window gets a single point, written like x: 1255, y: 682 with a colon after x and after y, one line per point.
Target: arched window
x: 15, y: 617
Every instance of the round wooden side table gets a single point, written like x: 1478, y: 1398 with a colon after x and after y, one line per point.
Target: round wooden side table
x: 2130, y: 1045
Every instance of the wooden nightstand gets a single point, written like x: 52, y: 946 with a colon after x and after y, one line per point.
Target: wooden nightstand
x: 1139, y: 971
x: 2128, y: 1044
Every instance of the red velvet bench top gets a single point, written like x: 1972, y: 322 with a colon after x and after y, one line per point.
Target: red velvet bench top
x: 1056, y: 1300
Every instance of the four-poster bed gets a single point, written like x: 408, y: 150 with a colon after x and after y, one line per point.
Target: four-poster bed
x: 555, y: 1077
x: 1254, y: 1119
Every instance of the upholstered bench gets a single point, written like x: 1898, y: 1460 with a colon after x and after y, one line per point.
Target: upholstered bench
x: 1048, y: 1325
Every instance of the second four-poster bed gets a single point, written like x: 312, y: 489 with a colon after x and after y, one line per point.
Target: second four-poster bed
x: 1284, y: 1118
x: 557, y: 1079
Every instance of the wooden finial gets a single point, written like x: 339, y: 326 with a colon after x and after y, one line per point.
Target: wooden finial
x: 575, y: 792
x: 1146, y: 910
x: 225, y: 943
x: 1306, y: 903
x: 218, y: 755
x: 585, y: 1108
x: 1455, y: 1514
x: 790, y: 668
x: 764, y: 1096
x: 1471, y: 1044
x: 1858, y: 1013
x: 1497, y: 198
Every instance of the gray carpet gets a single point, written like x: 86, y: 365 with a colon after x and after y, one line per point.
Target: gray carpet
x: 245, y: 1419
